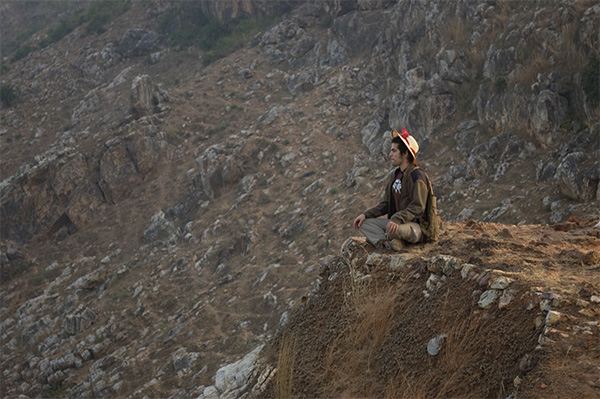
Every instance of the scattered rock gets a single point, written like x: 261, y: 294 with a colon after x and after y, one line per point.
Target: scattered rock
x: 434, y: 346
x: 137, y: 42
x: 500, y: 283
x: 506, y: 298
x: 161, y: 229
x: 377, y: 259
x: 527, y: 363
x: 234, y: 376
x: 79, y: 320
x: 146, y: 98
x: 399, y: 262
x: 487, y: 298
x: 443, y: 264
x: 553, y: 317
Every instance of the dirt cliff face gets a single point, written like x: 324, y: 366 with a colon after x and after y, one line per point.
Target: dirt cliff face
x: 162, y: 210
x: 487, y: 312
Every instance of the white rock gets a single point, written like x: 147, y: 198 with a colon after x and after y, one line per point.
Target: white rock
x: 210, y: 392
x: 506, y: 298
x: 433, y: 282
x: 500, y: 283
x: 487, y: 298
x: 553, y: 317
x: 235, y: 375
x: 434, y: 346
x: 398, y: 261
x: 466, y: 269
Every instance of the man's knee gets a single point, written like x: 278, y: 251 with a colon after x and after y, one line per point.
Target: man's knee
x: 410, y: 232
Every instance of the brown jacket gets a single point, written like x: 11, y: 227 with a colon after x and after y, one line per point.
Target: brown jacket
x: 413, y: 197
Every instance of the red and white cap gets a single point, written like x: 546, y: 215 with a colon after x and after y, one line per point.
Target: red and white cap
x: 408, y: 140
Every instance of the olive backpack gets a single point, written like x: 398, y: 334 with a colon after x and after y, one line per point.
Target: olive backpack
x: 430, y: 222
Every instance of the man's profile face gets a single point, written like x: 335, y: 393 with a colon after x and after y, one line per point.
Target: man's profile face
x: 395, y: 155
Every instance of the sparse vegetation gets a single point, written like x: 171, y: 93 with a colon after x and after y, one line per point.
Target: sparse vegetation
x: 465, y: 94
x: 326, y: 21
x: 46, y: 275
x: 500, y: 84
x: 96, y: 16
x: 285, y: 367
x: 535, y: 64
x: 590, y: 80
x: 186, y: 25
x: 7, y: 95
x: 23, y: 52
x: 569, y: 55
x: 12, y: 46
x: 456, y: 31
x: 101, y: 12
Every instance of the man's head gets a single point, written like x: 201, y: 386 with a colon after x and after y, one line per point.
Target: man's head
x: 404, y: 148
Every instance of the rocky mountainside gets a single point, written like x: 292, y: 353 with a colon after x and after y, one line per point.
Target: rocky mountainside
x: 164, y: 205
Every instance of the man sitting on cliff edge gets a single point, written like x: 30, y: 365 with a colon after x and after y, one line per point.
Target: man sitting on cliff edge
x: 407, y: 200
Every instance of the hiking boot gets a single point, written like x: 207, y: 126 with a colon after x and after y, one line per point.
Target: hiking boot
x: 396, y: 244
x: 382, y: 244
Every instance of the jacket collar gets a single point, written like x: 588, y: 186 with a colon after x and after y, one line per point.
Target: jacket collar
x: 408, y: 169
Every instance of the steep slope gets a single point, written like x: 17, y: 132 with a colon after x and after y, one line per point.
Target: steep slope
x: 160, y: 215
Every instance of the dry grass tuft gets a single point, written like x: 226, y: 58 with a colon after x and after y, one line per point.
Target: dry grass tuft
x: 352, y: 354
x: 377, y: 312
x: 405, y: 388
x: 461, y: 348
x: 534, y: 65
x: 582, y: 6
x: 569, y: 54
x: 456, y: 32
x: 285, y: 367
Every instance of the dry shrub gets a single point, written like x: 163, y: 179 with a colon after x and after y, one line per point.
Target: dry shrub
x: 423, y: 49
x: 380, y: 351
x: 536, y: 64
x: 569, y: 55
x: 456, y: 31
x: 356, y: 288
x: 504, y: 9
x: 377, y: 312
x: 582, y: 6
x: 285, y: 366
x: 406, y: 388
x: 461, y: 348
x: 477, y: 54
x: 350, y: 357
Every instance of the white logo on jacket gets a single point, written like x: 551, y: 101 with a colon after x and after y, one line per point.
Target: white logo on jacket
x: 397, y: 186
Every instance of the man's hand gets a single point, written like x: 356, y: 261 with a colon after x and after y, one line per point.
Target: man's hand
x: 391, y: 228
x: 359, y: 221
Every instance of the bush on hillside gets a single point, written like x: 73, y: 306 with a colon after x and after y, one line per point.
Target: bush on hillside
x: 101, y: 12
x: 98, y: 14
x: 22, y: 52
x: 7, y: 95
x: 185, y: 25
x: 590, y: 80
